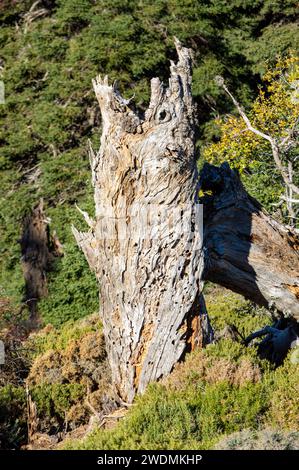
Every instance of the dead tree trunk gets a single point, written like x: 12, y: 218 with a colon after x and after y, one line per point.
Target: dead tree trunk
x: 38, y: 249
x: 245, y: 249
x: 145, y: 242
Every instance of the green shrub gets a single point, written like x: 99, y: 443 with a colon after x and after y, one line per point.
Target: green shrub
x: 266, y: 439
x: 192, y: 418
x: 227, y: 308
x: 69, y: 365
x: 192, y: 408
x: 217, y: 391
x: 54, y: 400
x: 73, y: 291
x: 284, y: 410
x: 13, y: 416
x: 58, y: 339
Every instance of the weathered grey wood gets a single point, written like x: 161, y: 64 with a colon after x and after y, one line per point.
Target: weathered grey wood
x: 245, y: 249
x: 278, y: 339
x: 149, y: 266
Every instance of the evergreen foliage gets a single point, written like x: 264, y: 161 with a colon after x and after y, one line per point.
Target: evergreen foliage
x: 47, y: 63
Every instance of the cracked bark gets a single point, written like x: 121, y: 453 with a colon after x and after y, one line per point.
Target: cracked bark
x: 145, y: 242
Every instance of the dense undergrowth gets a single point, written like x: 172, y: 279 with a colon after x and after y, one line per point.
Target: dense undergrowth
x: 222, y: 390
x: 223, y: 394
x: 216, y: 392
x: 63, y: 367
x: 196, y: 411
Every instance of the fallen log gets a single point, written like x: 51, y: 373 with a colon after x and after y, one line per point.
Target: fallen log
x: 246, y: 250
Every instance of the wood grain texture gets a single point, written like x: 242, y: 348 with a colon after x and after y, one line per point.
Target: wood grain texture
x: 145, y: 244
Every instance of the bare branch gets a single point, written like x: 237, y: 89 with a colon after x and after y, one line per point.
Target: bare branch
x: 284, y: 198
x: 273, y: 142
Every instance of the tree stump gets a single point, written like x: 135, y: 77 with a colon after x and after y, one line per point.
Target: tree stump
x: 145, y: 244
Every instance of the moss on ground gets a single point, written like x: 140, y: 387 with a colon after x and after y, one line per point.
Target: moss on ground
x: 227, y: 308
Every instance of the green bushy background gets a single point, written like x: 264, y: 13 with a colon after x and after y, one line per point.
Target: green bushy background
x: 50, y: 110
